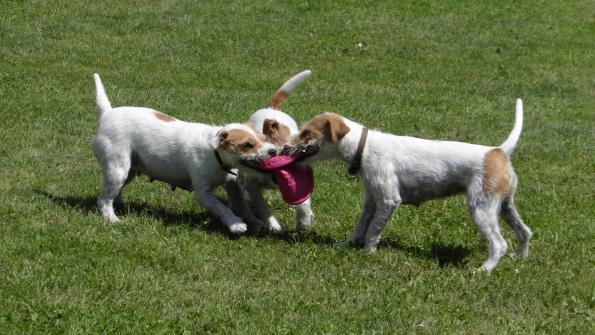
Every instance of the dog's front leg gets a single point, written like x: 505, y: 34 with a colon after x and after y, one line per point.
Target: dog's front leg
x: 357, y: 237
x: 263, y: 211
x: 304, y: 215
x: 384, y: 211
x: 206, y: 198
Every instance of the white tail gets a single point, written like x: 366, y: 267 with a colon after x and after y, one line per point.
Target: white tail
x: 102, y: 101
x: 288, y: 86
x: 513, y: 138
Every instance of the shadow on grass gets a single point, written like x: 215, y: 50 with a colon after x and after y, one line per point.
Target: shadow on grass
x: 202, y: 221
x: 445, y: 255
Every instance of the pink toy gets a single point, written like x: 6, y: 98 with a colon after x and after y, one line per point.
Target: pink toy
x: 296, y: 183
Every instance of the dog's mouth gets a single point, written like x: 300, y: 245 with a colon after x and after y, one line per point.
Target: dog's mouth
x: 299, y: 152
x: 254, y: 160
x: 302, y: 151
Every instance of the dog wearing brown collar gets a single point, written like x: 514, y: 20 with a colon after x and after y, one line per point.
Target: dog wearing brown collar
x: 398, y: 170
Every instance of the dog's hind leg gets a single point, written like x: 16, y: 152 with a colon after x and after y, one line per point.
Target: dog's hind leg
x: 484, y: 211
x: 115, y: 174
x: 510, y: 214
x: 119, y: 201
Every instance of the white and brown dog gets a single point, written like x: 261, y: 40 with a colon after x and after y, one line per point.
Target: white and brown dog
x: 399, y: 170
x: 192, y: 156
x: 278, y: 128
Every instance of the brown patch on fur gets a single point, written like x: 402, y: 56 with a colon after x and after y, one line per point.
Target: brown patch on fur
x: 278, y: 99
x: 328, y: 127
x: 163, y: 117
x: 275, y: 132
x: 238, y: 141
x: 496, y: 172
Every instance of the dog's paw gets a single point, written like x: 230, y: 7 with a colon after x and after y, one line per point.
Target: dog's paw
x: 346, y: 244
x: 522, y: 253
x: 483, y: 269
x: 301, y: 226
x: 275, y: 227
x: 304, y: 222
x: 112, y: 218
x: 238, y: 228
x: 369, y: 249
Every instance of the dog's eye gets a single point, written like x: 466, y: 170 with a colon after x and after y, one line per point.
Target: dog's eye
x: 247, y: 145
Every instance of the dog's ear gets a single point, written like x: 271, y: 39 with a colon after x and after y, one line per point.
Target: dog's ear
x: 222, y: 139
x: 275, y: 132
x: 222, y: 135
x: 269, y: 127
x: 335, y: 128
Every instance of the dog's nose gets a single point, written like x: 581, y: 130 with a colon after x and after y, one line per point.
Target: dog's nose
x: 272, y: 152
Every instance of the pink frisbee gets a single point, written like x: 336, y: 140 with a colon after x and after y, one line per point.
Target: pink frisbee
x: 296, y: 183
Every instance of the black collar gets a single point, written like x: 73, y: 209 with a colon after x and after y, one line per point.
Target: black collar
x: 225, y: 168
x: 357, y: 159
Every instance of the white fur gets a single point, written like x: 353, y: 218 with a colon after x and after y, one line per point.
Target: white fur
x: 294, y: 81
x: 132, y: 140
x: 515, y: 134
x: 254, y: 182
x: 399, y: 170
x: 257, y: 119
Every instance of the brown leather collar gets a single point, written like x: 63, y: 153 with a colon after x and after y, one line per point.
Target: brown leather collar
x: 223, y: 166
x: 357, y: 159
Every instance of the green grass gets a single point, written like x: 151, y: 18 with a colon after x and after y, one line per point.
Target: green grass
x: 441, y: 70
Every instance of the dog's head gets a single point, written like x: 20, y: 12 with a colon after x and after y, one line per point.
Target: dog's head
x: 279, y: 128
x: 238, y: 142
x: 319, y: 137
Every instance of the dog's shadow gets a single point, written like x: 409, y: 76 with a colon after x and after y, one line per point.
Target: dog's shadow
x: 201, y: 220
x: 445, y: 255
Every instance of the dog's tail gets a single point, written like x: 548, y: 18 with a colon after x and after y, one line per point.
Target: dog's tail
x: 513, y: 138
x: 102, y: 101
x: 279, y: 97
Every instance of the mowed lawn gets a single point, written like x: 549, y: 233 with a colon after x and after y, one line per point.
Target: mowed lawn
x: 440, y: 70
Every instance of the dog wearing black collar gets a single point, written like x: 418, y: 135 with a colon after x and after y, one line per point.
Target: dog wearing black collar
x: 192, y: 156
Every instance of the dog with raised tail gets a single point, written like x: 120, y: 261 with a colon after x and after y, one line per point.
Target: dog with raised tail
x: 192, y: 156
x: 398, y: 170
x: 278, y: 128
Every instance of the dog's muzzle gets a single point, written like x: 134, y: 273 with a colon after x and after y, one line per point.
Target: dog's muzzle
x: 253, y: 161
x: 302, y: 151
